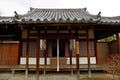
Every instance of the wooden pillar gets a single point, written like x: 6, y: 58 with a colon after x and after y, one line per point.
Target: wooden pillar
x: 45, y: 56
x: 77, y: 50
x: 20, y: 50
x: 45, y: 62
x: 58, y: 61
x: 118, y: 42
x: 96, y: 52
x: 27, y: 55
x: 70, y: 55
x: 37, y: 56
x: 88, y: 55
x: 70, y: 51
x: 45, y: 53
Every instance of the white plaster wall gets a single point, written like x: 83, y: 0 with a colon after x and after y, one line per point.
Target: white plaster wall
x: 83, y: 60
x: 33, y: 60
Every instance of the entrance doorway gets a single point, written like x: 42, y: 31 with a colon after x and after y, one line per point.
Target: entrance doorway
x: 61, y: 48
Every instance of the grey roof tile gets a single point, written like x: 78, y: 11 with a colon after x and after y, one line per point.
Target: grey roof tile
x: 60, y: 15
x: 57, y: 14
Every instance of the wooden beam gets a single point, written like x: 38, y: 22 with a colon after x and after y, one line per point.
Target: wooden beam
x: 37, y: 56
x: 72, y: 25
x: 88, y: 55
x: 54, y: 36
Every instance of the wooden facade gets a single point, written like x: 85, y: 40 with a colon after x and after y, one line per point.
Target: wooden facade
x: 57, y: 38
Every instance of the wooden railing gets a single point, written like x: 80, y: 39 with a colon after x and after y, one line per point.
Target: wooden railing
x: 62, y: 61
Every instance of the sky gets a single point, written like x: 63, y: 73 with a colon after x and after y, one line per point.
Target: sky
x: 107, y: 7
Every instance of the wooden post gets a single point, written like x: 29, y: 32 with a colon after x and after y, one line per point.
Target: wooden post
x: 70, y: 51
x: 88, y: 55
x: 45, y: 53
x: 45, y: 62
x: 20, y: 50
x: 37, y: 56
x: 118, y: 42
x: 77, y: 50
x: 58, y: 61
x: 45, y: 56
x: 27, y: 55
x: 96, y: 52
x: 70, y: 55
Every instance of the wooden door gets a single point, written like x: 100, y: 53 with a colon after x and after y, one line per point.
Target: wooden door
x: 9, y: 54
x: 61, y: 48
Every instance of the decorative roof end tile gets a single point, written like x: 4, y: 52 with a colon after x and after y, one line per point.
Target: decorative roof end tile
x: 31, y: 8
x: 16, y: 16
x: 23, y: 20
x: 52, y: 20
x: 38, y: 20
x: 14, y: 20
x: 68, y: 20
x: 99, y: 14
x: 82, y: 20
x: 30, y: 20
x: 60, y: 20
x: 85, y: 9
x: 75, y: 20
x: 45, y: 20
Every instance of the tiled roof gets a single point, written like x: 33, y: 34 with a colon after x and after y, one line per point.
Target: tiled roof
x: 57, y: 15
x: 110, y: 20
x: 37, y: 15
x: 6, y: 19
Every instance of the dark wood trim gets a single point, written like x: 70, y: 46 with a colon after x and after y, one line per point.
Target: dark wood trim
x: 60, y: 57
x: 55, y: 36
x: 72, y: 25
x: 37, y: 56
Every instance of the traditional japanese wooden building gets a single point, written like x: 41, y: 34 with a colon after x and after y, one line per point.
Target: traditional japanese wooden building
x: 56, y: 39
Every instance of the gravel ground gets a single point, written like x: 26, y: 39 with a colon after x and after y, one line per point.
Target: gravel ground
x: 51, y: 76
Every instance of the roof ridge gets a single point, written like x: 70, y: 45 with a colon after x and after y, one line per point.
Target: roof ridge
x: 6, y: 17
x: 31, y: 8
